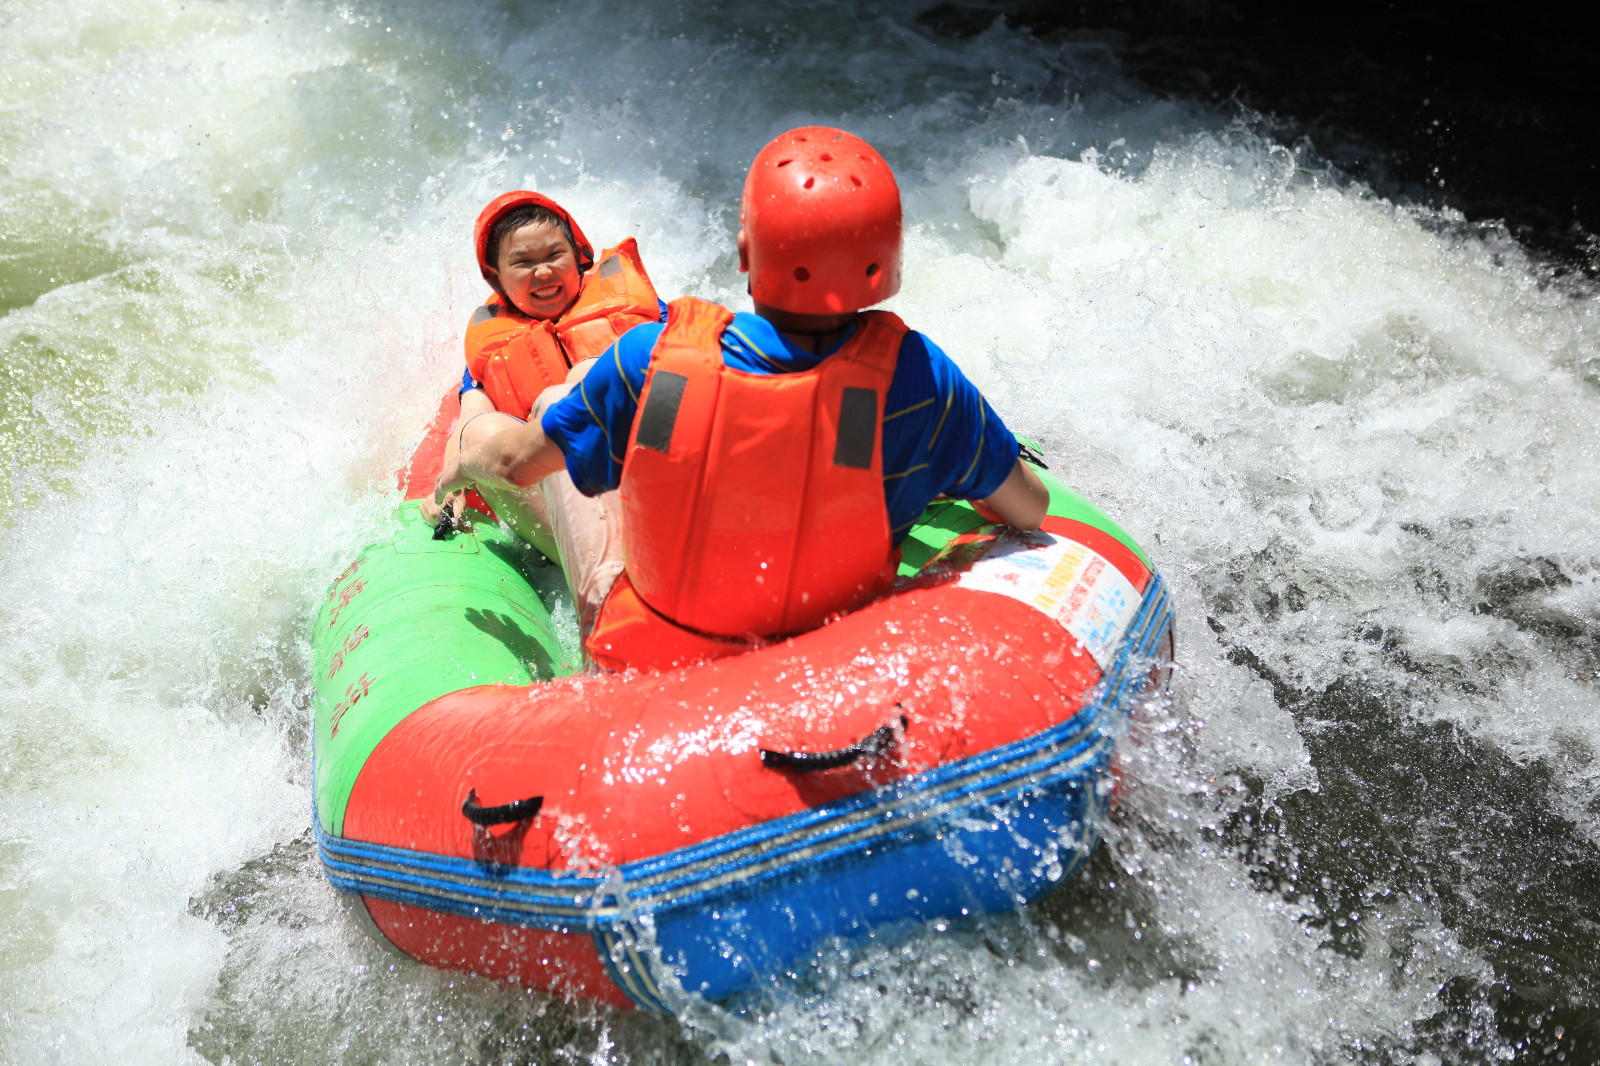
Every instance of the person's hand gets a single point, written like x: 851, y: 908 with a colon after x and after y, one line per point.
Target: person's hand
x: 431, y: 510
x: 452, y: 480
x: 986, y: 511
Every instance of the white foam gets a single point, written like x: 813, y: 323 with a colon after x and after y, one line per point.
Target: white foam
x: 1324, y: 417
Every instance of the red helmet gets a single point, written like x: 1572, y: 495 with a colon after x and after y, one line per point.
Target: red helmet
x: 510, y: 201
x: 821, y: 214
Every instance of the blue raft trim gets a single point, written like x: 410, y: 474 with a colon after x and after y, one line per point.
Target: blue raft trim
x: 737, y: 864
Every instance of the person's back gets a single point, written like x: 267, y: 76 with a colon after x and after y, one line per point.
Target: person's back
x: 773, y: 461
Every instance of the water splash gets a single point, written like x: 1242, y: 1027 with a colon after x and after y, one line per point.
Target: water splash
x: 1358, y: 439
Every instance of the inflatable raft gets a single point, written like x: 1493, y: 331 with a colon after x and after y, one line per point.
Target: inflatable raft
x: 943, y: 752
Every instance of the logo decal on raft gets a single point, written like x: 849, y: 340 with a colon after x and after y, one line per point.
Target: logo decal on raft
x: 351, y: 643
x: 1074, y: 584
x: 353, y: 694
x: 349, y: 570
x: 343, y: 597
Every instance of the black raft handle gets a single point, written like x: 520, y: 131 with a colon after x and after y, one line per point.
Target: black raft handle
x: 516, y: 811
x: 1031, y: 455
x: 870, y: 746
x: 448, y: 522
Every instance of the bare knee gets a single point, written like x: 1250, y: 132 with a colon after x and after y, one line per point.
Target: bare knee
x: 546, y: 398
x: 579, y: 369
x: 479, y: 428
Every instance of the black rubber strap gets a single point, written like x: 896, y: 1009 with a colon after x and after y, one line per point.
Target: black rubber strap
x: 871, y: 746
x: 1028, y: 455
x: 447, y: 522
x: 517, y: 811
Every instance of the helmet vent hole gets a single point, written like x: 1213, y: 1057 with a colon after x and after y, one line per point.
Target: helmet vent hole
x: 802, y: 274
x: 826, y: 158
x: 810, y: 182
x: 785, y: 162
x: 872, y: 269
x: 855, y: 181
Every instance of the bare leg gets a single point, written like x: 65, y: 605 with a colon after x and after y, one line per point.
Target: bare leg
x: 588, y: 533
x: 525, y: 511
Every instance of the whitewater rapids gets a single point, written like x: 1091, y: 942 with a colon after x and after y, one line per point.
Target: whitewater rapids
x: 1361, y: 440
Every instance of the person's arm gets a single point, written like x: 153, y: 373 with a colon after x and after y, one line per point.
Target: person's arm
x: 510, y: 460
x: 593, y: 423
x: 973, y: 455
x: 1021, y: 500
x: 474, y: 402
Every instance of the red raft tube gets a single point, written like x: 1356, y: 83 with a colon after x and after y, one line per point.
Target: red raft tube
x: 639, y: 838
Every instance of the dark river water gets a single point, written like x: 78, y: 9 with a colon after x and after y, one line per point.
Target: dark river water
x: 1336, y: 366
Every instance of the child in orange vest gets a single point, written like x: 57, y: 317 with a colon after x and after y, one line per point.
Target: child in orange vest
x: 553, y: 308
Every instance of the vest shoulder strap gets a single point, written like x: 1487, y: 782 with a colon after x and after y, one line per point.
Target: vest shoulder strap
x: 876, y: 343
x: 693, y: 325
x: 616, y: 296
x: 689, y: 348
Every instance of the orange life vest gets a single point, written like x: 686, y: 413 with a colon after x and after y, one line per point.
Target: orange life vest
x: 752, y: 504
x: 515, y: 357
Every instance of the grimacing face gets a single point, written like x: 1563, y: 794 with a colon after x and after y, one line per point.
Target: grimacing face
x: 538, y: 270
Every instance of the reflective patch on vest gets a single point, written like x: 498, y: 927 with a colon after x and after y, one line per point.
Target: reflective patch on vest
x: 858, y: 429
x: 485, y: 313
x: 660, y: 412
x: 611, y: 266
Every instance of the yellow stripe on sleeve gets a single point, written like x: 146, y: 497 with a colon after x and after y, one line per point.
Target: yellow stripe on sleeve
x: 949, y: 398
x: 757, y: 352
x: 616, y: 357
x: 908, y: 410
x: 611, y: 449
x: 903, y: 473
x: 983, y: 419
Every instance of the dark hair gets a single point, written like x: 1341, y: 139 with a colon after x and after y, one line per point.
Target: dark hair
x: 526, y: 215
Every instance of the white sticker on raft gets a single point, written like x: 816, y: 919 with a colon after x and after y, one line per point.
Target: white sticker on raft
x: 1075, y: 585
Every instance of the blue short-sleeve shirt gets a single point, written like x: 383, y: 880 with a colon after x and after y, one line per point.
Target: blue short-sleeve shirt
x: 940, y: 436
